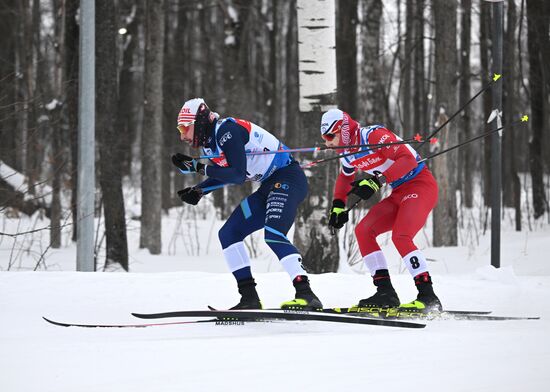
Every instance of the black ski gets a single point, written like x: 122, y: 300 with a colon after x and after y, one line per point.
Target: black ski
x: 395, y: 314
x: 375, y: 311
x: 369, y: 310
x: 248, y: 315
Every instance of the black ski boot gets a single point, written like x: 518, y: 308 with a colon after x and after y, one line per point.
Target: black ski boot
x: 426, y: 301
x: 385, y: 296
x: 304, y: 299
x: 249, y: 295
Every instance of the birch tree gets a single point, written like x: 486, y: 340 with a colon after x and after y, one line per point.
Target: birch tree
x: 317, y: 73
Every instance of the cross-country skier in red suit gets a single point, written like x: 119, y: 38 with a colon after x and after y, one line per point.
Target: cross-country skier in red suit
x: 404, y: 211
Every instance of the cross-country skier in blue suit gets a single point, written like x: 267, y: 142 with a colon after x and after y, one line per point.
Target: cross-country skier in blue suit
x: 271, y: 208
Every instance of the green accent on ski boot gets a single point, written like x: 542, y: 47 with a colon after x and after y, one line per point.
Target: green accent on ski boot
x: 496, y: 77
x: 294, y: 304
x: 417, y: 309
x: 297, y: 304
x: 414, y: 305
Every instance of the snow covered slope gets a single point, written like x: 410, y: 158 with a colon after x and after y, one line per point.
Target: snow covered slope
x: 291, y: 356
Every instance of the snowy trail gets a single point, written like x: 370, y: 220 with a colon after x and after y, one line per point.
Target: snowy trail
x: 446, y: 355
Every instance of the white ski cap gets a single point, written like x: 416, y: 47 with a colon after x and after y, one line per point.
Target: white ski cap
x: 189, y: 110
x: 331, y: 121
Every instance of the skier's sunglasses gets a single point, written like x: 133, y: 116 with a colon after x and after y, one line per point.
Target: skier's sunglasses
x: 329, y: 136
x: 184, y: 127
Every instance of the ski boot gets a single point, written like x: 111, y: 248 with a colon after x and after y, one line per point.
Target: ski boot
x: 383, y: 301
x: 426, y: 302
x: 304, y: 299
x: 249, y: 295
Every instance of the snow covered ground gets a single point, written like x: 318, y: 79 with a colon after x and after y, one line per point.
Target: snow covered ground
x: 291, y: 356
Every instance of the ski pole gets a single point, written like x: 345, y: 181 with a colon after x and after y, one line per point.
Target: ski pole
x: 314, y: 149
x: 313, y: 163
x: 523, y: 118
x: 495, y: 78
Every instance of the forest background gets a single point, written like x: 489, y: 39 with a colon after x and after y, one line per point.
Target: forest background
x: 406, y: 64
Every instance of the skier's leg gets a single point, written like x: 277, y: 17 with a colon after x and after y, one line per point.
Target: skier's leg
x: 416, y: 202
x: 285, y: 191
x: 247, y: 218
x: 378, y: 220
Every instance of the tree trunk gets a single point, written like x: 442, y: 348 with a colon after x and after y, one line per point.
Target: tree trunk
x: 346, y: 56
x: 466, y: 153
x: 57, y: 163
x: 126, y: 117
x: 70, y: 84
x: 371, y: 85
x: 151, y: 138
x: 8, y: 31
x: 109, y: 139
x: 169, y: 133
x: 537, y: 36
x: 510, y: 142
x: 237, y: 86
x: 419, y: 101
x: 406, y: 72
x: 484, y: 44
x: 445, y: 214
x: 319, y: 248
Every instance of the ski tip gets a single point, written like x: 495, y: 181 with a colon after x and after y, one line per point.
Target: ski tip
x: 55, y: 322
x: 211, y: 308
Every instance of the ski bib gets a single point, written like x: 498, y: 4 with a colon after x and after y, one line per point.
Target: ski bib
x: 370, y: 159
x: 258, y: 167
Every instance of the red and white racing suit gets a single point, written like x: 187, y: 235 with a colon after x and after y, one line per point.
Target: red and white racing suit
x: 405, y: 211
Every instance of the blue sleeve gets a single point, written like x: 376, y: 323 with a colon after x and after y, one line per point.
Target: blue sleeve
x: 231, y: 138
x: 210, y: 185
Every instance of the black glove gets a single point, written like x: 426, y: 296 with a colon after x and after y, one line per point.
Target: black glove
x: 191, y: 195
x: 187, y: 164
x: 365, y: 188
x: 338, y: 214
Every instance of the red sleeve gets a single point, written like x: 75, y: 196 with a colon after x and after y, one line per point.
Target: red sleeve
x: 343, y: 186
x: 403, y: 155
